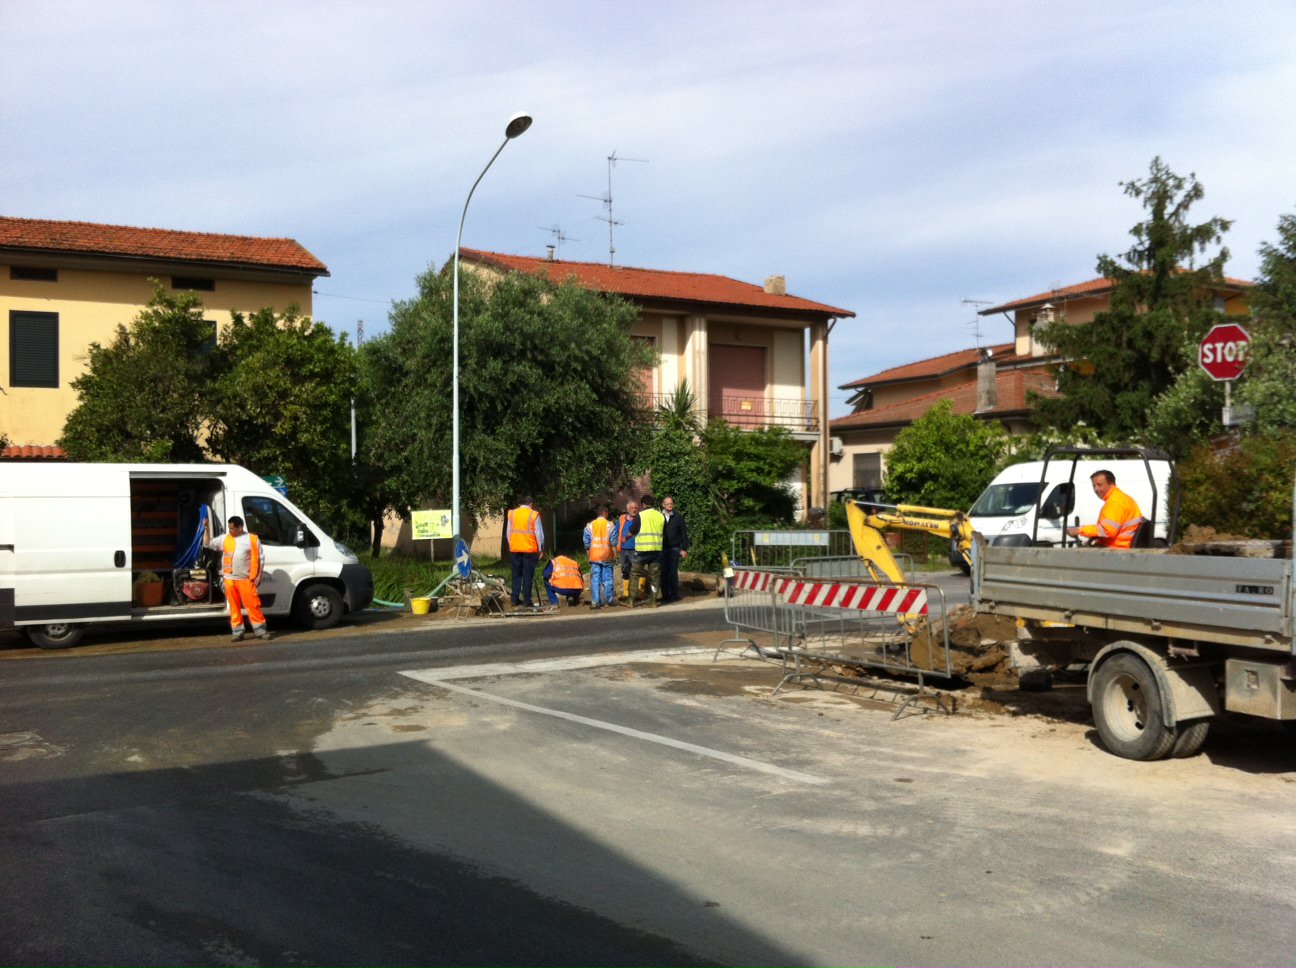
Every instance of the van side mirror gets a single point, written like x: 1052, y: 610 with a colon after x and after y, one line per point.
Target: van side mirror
x: 1060, y: 503
x: 303, y: 537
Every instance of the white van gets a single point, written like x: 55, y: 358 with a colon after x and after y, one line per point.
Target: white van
x: 1035, y: 502
x: 79, y: 543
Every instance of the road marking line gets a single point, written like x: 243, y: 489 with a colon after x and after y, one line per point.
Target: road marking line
x: 490, y: 669
x: 432, y: 678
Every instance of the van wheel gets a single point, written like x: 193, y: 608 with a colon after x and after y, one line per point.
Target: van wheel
x: 1127, y: 710
x: 318, y: 607
x: 55, y: 635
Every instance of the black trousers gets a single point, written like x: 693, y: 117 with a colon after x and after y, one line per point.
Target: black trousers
x: 670, y: 574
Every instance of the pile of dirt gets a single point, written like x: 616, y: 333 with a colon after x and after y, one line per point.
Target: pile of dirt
x: 1201, y: 540
x: 978, y: 644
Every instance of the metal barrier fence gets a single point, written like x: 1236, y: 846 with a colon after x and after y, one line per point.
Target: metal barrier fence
x: 844, y: 566
x: 778, y: 549
x: 749, y: 605
x: 819, y: 627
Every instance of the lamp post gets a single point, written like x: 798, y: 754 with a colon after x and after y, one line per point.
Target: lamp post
x: 517, y: 124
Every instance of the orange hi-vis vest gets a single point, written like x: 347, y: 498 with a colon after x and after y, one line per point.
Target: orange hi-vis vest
x: 566, y: 574
x: 254, y: 558
x: 522, y: 532
x: 601, y: 547
x: 1117, y: 521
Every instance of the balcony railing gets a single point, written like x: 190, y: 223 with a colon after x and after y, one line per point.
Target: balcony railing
x: 749, y: 412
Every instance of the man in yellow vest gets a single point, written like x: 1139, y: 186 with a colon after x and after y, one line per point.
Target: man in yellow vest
x: 600, y: 542
x: 241, y: 565
x: 648, y: 530
x: 525, y: 539
x: 562, y: 576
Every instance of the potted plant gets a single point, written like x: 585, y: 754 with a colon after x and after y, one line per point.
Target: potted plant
x: 146, y: 590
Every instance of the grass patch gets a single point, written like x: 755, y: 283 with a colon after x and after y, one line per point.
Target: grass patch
x: 394, y: 572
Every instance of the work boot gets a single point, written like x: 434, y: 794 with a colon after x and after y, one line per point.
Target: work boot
x: 237, y: 636
x: 262, y: 634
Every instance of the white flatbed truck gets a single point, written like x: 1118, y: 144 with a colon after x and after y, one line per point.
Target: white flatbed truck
x: 1171, y: 640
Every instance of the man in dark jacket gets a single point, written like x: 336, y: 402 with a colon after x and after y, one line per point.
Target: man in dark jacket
x: 675, y: 544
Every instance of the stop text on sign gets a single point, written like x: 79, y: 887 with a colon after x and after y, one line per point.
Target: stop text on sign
x: 1223, y: 351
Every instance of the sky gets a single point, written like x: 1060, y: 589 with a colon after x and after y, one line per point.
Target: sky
x: 909, y: 161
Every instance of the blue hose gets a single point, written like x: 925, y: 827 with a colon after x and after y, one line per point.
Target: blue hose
x: 189, y: 557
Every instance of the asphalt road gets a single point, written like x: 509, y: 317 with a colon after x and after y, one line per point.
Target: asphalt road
x: 487, y: 793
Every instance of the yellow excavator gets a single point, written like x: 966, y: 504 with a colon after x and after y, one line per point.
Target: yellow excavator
x: 869, y: 521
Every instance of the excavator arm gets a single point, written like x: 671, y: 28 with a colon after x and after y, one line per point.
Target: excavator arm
x: 868, y: 521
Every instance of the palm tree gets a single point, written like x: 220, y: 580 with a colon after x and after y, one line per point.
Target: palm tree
x: 679, y: 411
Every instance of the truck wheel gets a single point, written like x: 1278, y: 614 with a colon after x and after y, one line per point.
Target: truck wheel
x: 1192, y: 737
x: 1127, y: 710
x: 318, y: 607
x: 55, y: 635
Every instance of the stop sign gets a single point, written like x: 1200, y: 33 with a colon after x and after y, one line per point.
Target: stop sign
x: 1223, y: 351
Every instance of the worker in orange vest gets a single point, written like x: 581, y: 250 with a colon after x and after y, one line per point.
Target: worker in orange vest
x: 562, y: 576
x: 525, y: 539
x: 242, y: 567
x: 600, y: 542
x: 1119, y: 518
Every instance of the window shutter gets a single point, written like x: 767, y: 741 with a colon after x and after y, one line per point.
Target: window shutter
x: 33, y: 349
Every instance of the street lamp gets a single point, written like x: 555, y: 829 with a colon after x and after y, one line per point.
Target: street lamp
x: 517, y: 124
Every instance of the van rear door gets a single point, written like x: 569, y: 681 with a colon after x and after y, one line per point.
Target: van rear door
x: 71, y: 543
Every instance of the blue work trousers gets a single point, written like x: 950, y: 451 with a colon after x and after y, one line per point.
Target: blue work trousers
x: 602, y: 578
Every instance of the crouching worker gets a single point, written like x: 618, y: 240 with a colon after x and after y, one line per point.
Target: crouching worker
x: 562, y: 576
x: 241, y: 565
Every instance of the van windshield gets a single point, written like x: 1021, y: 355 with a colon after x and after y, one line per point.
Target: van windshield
x: 1006, y: 500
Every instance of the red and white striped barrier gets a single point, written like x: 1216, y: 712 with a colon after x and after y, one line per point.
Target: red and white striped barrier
x: 888, y: 599
x: 753, y: 581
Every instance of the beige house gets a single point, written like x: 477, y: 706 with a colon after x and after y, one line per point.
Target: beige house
x: 991, y: 382
x: 754, y: 355
x: 64, y: 285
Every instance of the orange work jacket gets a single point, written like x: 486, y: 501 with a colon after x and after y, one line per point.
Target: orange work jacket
x: 602, y: 533
x: 522, y: 532
x: 1117, y: 521
x: 566, y: 574
x: 254, y: 561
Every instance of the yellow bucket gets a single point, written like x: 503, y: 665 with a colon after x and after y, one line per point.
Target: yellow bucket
x: 421, y: 606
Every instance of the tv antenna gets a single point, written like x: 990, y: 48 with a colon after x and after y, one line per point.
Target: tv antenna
x: 607, y: 201
x: 559, y: 237
x: 976, y: 319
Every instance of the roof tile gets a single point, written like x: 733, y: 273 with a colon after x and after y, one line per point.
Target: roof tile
x: 32, y: 452
x: 1011, y: 387
x: 1080, y: 289
x: 654, y: 283
x: 936, y: 366
x: 88, y: 238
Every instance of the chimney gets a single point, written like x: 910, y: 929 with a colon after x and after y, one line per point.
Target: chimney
x: 985, y: 399
x: 776, y: 286
x: 549, y: 253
